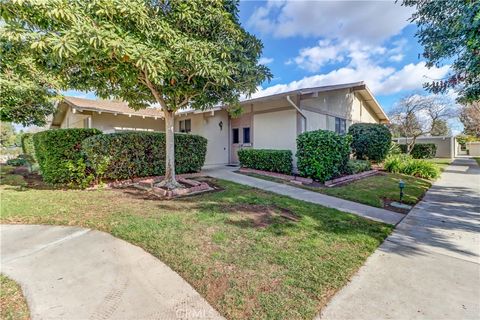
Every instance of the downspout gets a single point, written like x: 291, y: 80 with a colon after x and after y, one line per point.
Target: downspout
x: 300, y: 112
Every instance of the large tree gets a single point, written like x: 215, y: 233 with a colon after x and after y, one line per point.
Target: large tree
x: 470, y: 118
x: 449, y: 31
x: 27, y: 94
x: 415, y: 115
x: 177, y: 54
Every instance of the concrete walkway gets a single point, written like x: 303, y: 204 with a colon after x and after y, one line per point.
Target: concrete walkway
x: 369, y: 212
x: 74, y: 273
x: 429, y: 268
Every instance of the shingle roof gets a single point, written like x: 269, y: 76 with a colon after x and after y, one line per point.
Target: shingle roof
x: 111, y: 106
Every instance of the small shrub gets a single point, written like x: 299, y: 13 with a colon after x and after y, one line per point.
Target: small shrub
x: 142, y: 154
x: 19, y: 161
x: 28, y: 146
x: 421, y: 150
x: 357, y: 166
x: 322, y: 154
x: 58, y: 150
x: 370, y: 141
x: 266, y: 159
x: 405, y: 164
x: 394, y: 149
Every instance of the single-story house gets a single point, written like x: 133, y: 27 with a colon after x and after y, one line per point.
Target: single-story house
x: 447, y: 146
x: 268, y: 122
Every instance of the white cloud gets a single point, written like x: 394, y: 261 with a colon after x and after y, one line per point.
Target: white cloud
x: 265, y: 60
x: 372, y: 21
x: 381, y: 80
x: 397, y: 57
x: 328, y: 51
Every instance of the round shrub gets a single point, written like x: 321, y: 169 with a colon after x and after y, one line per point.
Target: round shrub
x: 322, y: 154
x: 142, y: 154
x: 370, y: 141
x: 266, y: 159
x: 57, y: 149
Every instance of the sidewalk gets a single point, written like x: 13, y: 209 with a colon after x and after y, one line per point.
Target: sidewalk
x: 377, y: 214
x: 429, y: 268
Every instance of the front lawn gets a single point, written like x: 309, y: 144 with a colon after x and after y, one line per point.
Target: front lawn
x: 12, y: 302
x: 478, y: 160
x: 250, y: 253
x: 372, y: 190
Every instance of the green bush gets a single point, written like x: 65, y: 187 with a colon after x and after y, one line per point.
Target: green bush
x: 266, y: 159
x: 57, y: 150
x: 142, y: 154
x: 421, y: 150
x: 19, y: 161
x: 394, y: 149
x: 357, y: 166
x: 370, y: 141
x: 27, y: 145
x: 322, y: 154
x: 405, y: 164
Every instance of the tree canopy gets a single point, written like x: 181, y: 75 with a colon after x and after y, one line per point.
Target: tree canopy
x: 450, y: 31
x: 470, y: 118
x: 177, y: 54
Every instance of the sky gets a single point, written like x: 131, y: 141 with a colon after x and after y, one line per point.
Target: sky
x: 315, y: 43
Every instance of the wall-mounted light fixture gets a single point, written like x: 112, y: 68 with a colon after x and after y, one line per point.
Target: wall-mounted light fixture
x: 220, y: 124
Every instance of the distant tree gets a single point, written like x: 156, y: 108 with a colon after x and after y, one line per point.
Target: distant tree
x: 449, y: 31
x: 177, y: 54
x: 414, y: 116
x: 470, y: 118
x: 7, y: 135
x: 440, y: 128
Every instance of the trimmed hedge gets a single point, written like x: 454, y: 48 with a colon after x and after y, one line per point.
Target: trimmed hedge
x: 370, y: 141
x: 57, y: 149
x: 266, y: 159
x: 142, y: 154
x: 28, y: 147
x: 421, y: 150
x: 322, y: 154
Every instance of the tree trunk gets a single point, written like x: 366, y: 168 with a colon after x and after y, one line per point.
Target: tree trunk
x: 169, y: 181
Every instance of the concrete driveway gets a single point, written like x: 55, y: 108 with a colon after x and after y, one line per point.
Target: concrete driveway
x: 76, y: 273
x: 429, y: 268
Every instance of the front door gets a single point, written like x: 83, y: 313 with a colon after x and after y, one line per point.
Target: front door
x: 240, y: 135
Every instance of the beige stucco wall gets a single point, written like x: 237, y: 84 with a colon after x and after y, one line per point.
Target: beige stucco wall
x: 275, y: 130
x: 108, y: 121
x: 473, y: 149
x: 445, y: 145
x: 207, y: 126
x: 73, y: 120
x: 322, y: 110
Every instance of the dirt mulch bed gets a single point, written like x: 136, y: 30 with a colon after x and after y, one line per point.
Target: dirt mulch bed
x: 258, y: 216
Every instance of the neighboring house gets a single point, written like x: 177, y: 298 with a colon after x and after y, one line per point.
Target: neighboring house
x: 447, y: 146
x: 269, y: 122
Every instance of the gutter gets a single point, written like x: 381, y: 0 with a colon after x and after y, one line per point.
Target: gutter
x: 297, y: 108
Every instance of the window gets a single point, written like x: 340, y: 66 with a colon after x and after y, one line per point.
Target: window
x: 235, y: 136
x: 86, y: 123
x: 185, y: 125
x: 340, y: 126
x: 246, y: 135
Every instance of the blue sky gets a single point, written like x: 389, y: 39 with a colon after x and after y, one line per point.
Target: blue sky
x: 314, y: 43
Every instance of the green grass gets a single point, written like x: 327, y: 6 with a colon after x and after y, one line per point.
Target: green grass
x: 371, y: 190
x: 12, y: 302
x: 478, y: 160
x: 233, y: 246
x: 441, y: 162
